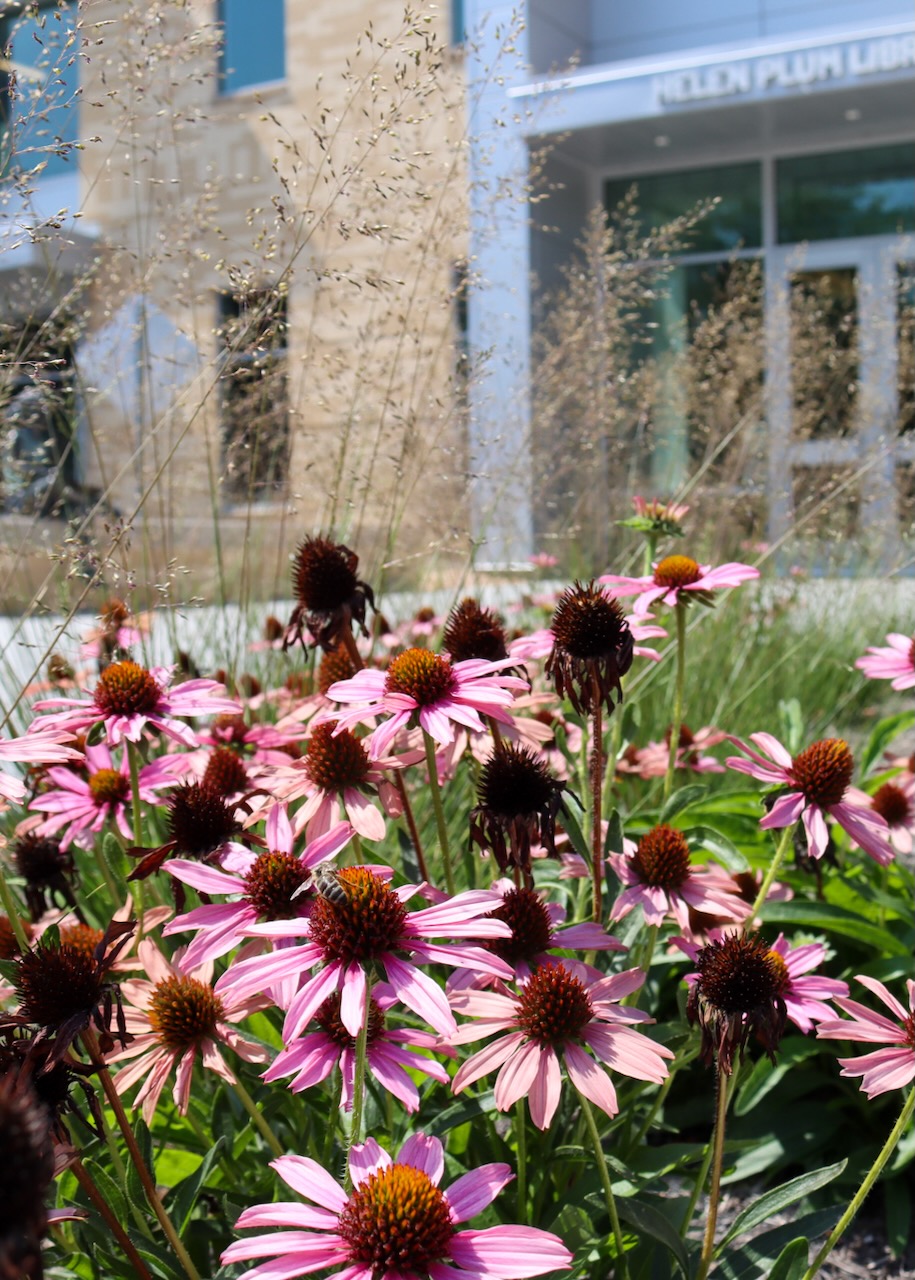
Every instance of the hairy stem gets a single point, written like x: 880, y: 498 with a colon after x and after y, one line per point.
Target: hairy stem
x: 770, y: 875
x: 432, y: 769
x: 711, y: 1221
x: 257, y: 1119
x: 680, y: 611
x: 86, y: 1181
x: 604, y: 1172
x: 597, y: 777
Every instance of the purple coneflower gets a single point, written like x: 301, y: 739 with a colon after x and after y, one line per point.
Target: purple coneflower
x: 557, y: 1015
x: 395, y: 1223
x: 896, y: 662
x: 678, y: 579
x: 128, y: 697
x: 816, y: 782
x: 884, y: 1069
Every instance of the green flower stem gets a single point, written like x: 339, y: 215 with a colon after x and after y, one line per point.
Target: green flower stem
x: 432, y: 770
x: 699, y: 1183
x: 622, y: 1269
x: 86, y: 1181
x: 9, y: 906
x: 330, y: 1131
x: 257, y: 1119
x: 680, y: 611
x: 770, y: 875
x: 651, y: 543
x: 359, y: 1067
x: 711, y: 1221
x: 98, y: 850
x: 134, y: 762
x: 644, y: 963
x: 521, y: 1138
x: 616, y: 738
x: 597, y: 777
x: 863, y: 1191
x: 145, y: 1176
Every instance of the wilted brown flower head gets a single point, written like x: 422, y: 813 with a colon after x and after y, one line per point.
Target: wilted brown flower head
x: 592, y: 647
x: 329, y: 595
x: 474, y: 632
x: 517, y: 803
x: 736, y: 994
x: 63, y: 990
x: 47, y: 871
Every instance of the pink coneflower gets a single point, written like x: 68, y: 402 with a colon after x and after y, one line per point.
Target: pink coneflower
x: 437, y: 692
x: 368, y: 923
x: 86, y: 803
x: 391, y: 1052
x: 35, y: 748
x: 557, y: 1015
x: 804, y: 993
x: 394, y: 1224
x: 896, y: 662
x: 175, y: 1016
x: 817, y: 782
x: 679, y: 579
x: 894, y: 801
x: 337, y: 772
x: 127, y: 698
x: 651, y: 760
x: 666, y: 517
x: 658, y: 876
x: 884, y: 1069
x: 266, y: 883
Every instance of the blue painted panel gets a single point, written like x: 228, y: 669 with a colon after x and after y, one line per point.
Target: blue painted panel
x: 254, y: 43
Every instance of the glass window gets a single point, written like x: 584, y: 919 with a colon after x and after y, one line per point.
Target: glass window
x: 457, y: 21
x: 254, y: 399
x: 735, y: 222
x: 253, y: 43
x: 38, y: 89
x: 846, y: 193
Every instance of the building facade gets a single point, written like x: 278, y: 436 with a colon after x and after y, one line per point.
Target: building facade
x: 799, y: 120
x: 228, y: 243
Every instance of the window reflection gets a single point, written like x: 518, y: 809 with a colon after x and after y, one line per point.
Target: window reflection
x: 846, y: 193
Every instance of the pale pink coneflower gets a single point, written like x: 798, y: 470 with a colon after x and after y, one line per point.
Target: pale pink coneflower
x: 176, y: 1016
x: 651, y: 760
x: 657, y: 875
x: 804, y: 993
x: 816, y: 782
x: 656, y: 509
x: 45, y: 747
x: 84, y: 804
x: 422, y: 684
x: 264, y: 885
x: 395, y: 1223
x: 391, y: 1052
x: 337, y: 774
x: 367, y: 923
x: 894, y: 801
x: 676, y: 579
x: 557, y: 1014
x: 884, y: 1069
x: 896, y: 662
x: 128, y: 698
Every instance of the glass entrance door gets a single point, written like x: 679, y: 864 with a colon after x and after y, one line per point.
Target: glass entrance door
x: 837, y: 320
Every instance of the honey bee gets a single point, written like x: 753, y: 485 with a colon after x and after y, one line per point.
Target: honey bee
x: 326, y: 883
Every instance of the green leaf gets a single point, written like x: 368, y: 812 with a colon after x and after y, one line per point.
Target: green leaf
x: 898, y: 1200
x: 882, y: 735
x: 184, y: 1195
x: 613, y: 843
x: 764, y: 1076
x: 109, y: 1189
x: 682, y: 799
x: 780, y: 1197
x: 791, y: 1263
x: 574, y: 1227
x: 144, y: 1142
x: 574, y: 831
x: 649, y: 1221
x: 160, y: 1262
x: 832, y: 919
x: 712, y: 840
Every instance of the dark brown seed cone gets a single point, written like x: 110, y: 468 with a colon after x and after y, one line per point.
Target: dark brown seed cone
x: 474, y: 632
x: 518, y: 802
x: 63, y: 990
x: 26, y: 1171
x: 736, y: 994
x: 592, y: 648
x: 330, y: 597
x: 47, y: 871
